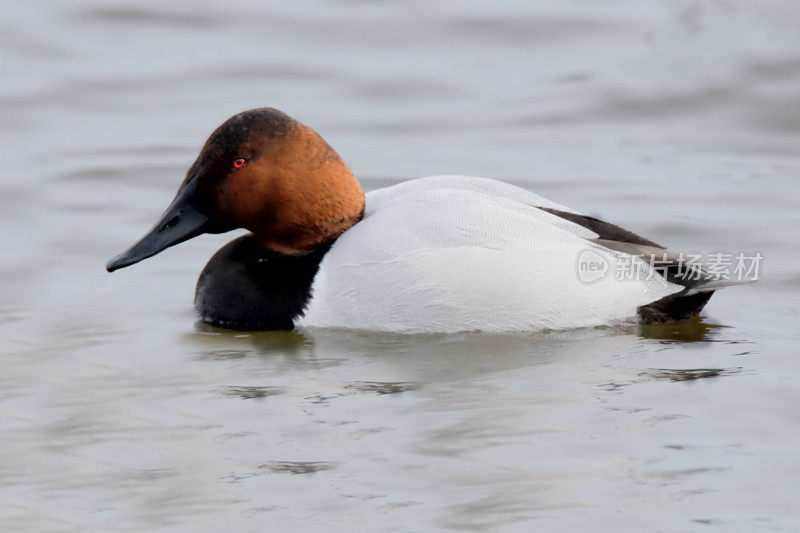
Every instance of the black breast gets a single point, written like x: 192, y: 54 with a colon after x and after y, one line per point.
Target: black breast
x: 246, y: 287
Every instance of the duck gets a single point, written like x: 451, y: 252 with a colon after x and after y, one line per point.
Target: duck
x: 439, y: 254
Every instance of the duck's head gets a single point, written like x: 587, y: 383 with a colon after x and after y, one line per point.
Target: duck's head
x: 263, y: 171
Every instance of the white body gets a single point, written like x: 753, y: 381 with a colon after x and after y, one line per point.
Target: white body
x: 453, y: 253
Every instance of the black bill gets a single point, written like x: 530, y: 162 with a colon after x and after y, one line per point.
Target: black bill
x: 180, y: 222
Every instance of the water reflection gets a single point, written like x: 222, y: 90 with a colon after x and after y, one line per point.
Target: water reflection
x: 285, y: 342
x: 406, y: 359
x: 689, y: 374
x: 250, y: 393
x: 296, y: 467
x: 694, y: 329
x: 304, y: 346
x: 377, y: 387
x: 671, y: 374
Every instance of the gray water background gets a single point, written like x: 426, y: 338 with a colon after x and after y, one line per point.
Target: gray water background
x: 678, y: 120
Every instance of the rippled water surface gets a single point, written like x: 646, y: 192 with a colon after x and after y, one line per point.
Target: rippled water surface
x: 678, y: 120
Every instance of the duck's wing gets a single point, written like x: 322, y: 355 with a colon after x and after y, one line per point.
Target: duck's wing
x: 697, y: 282
x: 453, y: 253
x: 604, y: 230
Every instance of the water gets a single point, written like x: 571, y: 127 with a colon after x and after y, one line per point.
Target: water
x: 678, y: 120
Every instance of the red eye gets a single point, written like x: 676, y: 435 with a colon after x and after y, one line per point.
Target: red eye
x: 239, y: 163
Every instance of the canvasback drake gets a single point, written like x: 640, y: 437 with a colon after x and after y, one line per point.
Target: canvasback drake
x: 438, y: 254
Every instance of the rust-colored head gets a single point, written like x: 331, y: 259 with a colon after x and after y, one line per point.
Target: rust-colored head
x: 263, y: 171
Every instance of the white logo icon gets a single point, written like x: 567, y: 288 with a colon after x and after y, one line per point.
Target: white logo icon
x: 591, y: 266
